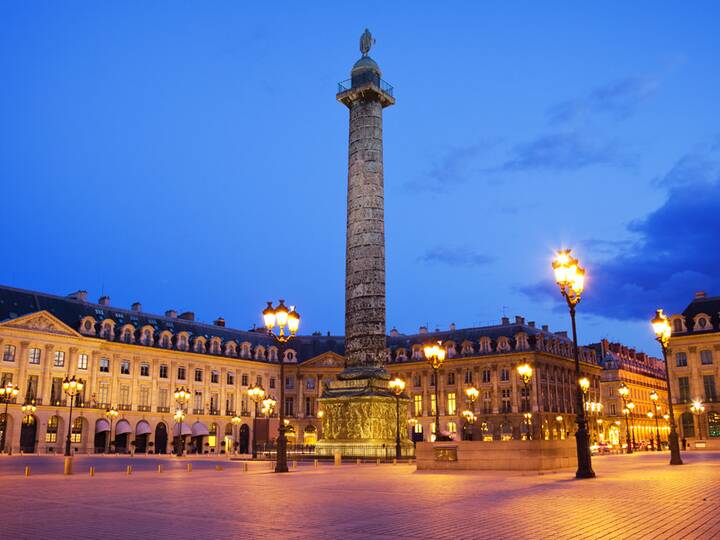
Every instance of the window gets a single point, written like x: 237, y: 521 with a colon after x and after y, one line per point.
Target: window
x: 417, y: 400
x: 486, y: 376
x: 52, y: 429
x: 32, y: 387
x: 34, y: 356
x: 198, y: 401
x: 452, y: 427
x: 451, y: 378
x: 230, y: 378
x: 713, y: 424
x: 76, y: 432
x: 181, y: 373
x: 309, y: 407
x: 272, y: 382
x: 144, y: 370
x: 229, y: 403
x: 681, y: 359
x: 82, y: 361
x: 289, y: 382
x: 258, y: 380
x: 198, y: 375
x: 684, y: 387
x: 56, y: 392
x: 487, y: 402
x: 163, y: 397
x: 451, y: 406
x: 432, y: 404
x: 702, y: 323
x: 706, y: 357
x: 163, y: 371
x: 244, y: 379
x: 59, y: 359
x: 687, y: 423
x: 709, y: 384
x: 612, y: 409
x: 506, y: 395
x: 417, y: 381
x: 104, y: 392
x: 125, y: 367
x: 214, y: 403
x: 165, y: 342
x: 104, y: 365
x: 505, y: 374
x: 124, y: 395
x: 677, y: 325
x: 214, y: 377
x: 9, y: 353
x: 5, y: 378
x: 144, y: 397
x: 310, y: 383
x: 289, y: 406
x: 432, y: 379
x: 468, y: 376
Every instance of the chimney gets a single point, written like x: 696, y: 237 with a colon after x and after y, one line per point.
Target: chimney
x: 561, y: 334
x: 136, y: 306
x: 104, y: 300
x: 545, y: 328
x: 423, y: 330
x: 188, y: 315
x: 519, y: 319
x: 171, y: 314
x: 700, y: 294
x: 394, y: 332
x: 453, y: 327
x: 79, y: 295
x: 531, y: 324
x: 505, y: 321
x: 219, y: 321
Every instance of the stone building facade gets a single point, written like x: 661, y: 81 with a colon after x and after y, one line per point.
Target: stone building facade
x: 694, y: 364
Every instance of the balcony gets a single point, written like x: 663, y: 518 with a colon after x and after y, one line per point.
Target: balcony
x: 229, y: 412
x: 143, y: 408
x: 124, y: 407
x: 58, y: 402
x: 367, y: 78
x: 163, y: 409
x: 214, y: 412
x: 198, y: 411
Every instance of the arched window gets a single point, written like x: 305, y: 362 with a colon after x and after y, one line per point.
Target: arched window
x: 713, y: 424
x: 77, y: 428
x: 52, y: 430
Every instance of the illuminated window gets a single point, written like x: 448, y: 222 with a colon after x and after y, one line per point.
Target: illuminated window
x: 432, y: 404
x: 212, y: 438
x: 52, y: 430
x: 451, y: 406
x: 310, y: 383
x: 9, y: 353
x: 34, y: 356
x: 104, y: 392
x: 59, y: 359
x: 417, y: 400
x: 452, y: 427
x: 125, y: 395
x: 418, y: 428
x: 76, y: 432
x: 104, y: 365
x: 82, y: 361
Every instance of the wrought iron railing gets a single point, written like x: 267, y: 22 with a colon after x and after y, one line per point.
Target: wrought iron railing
x: 162, y: 409
x: 143, y: 408
x: 344, y: 86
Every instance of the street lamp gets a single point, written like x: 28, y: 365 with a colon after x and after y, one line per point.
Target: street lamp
x: 257, y: 393
x: 697, y: 408
x: 111, y: 413
x: 654, y: 397
x: 7, y: 394
x: 182, y: 396
x: 661, y: 327
x: 631, y: 407
x: 624, y: 392
x: 435, y: 355
x: 236, y: 421
x: 525, y: 371
x: 281, y: 317
x: 28, y: 410
x: 472, y: 394
x: 72, y: 387
x: 397, y: 385
x: 570, y: 277
x: 470, y: 419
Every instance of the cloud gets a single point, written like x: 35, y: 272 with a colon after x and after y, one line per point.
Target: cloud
x: 701, y: 166
x: 566, y: 152
x: 619, y: 99
x: 455, y: 256
x: 453, y: 168
x: 676, y: 254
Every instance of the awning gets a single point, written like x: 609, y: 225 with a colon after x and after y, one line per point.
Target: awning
x: 122, y: 427
x: 143, y: 428
x: 102, y: 426
x: 185, y: 429
x: 199, y: 429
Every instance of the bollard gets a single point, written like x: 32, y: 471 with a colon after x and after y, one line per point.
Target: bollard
x: 377, y: 461
x: 315, y: 463
x: 27, y: 470
x: 394, y: 461
x: 189, y: 467
x: 68, y: 465
x: 128, y: 471
x: 338, y: 457
x: 245, y: 467
x: 160, y: 468
x: 218, y: 468
x: 92, y: 471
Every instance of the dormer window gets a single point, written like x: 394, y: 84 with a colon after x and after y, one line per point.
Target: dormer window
x: 677, y: 326
x: 165, y: 341
x: 702, y: 323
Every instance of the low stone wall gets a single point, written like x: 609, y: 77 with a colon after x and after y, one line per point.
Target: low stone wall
x: 497, y: 455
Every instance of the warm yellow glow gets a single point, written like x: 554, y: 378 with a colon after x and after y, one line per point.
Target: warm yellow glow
x: 654, y: 395
x: 623, y: 390
x: 269, y: 405
x: 412, y: 421
x: 650, y: 414
x: 472, y: 393
x: 584, y: 383
x: 661, y: 327
x: 429, y: 350
x: 626, y: 411
x: 320, y: 414
x: 179, y: 415
x: 697, y: 407
x: 560, y: 266
x: 525, y: 372
x: 269, y: 316
x: 599, y: 421
x: 293, y: 320
x: 559, y: 418
x: 236, y: 420
x: 666, y: 416
x: 577, y: 284
x: 281, y: 314
x: 182, y: 395
x: 286, y: 422
x: 630, y: 405
x: 469, y: 416
x: 435, y: 354
x: 111, y: 413
x: 397, y: 385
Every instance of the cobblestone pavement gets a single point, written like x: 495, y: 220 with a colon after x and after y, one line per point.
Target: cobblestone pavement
x: 636, y: 496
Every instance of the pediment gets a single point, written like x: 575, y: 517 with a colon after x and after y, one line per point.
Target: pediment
x: 327, y: 360
x: 41, y: 321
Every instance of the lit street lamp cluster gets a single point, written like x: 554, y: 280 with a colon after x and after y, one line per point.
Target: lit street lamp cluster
x: 435, y: 355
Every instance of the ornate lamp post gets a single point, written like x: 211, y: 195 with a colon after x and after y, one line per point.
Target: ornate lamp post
x: 661, y: 327
x: 7, y: 394
x: 111, y: 414
x: 654, y: 397
x: 268, y: 407
x: 257, y: 393
x: 236, y: 421
x: 72, y: 387
x: 631, y: 408
x: 397, y: 385
x: 570, y: 277
x: 470, y: 419
x: 697, y: 408
x: 281, y: 317
x: 624, y: 392
x: 472, y: 394
x: 182, y: 396
x: 435, y: 355
x: 28, y: 410
x: 412, y: 422
x: 525, y: 372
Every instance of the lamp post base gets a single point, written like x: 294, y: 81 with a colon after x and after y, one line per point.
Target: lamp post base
x: 68, y: 465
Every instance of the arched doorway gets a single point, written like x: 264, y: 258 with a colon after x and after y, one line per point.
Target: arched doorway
x: 290, y: 434
x: 122, y: 436
x: 102, y: 435
x: 310, y: 435
x: 161, y: 438
x: 51, y: 433
x: 5, y: 431
x: 28, y: 435
x: 213, y: 438
x: 180, y: 434
x: 713, y: 424
x: 417, y: 433
x: 199, y: 432
x: 142, y: 432
x: 244, y: 443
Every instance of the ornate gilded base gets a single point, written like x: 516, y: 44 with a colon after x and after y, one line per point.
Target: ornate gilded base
x: 363, y: 426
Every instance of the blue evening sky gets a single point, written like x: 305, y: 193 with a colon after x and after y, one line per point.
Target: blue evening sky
x: 193, y: 156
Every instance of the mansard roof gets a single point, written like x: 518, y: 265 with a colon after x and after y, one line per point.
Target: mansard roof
x: 709, y: 305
